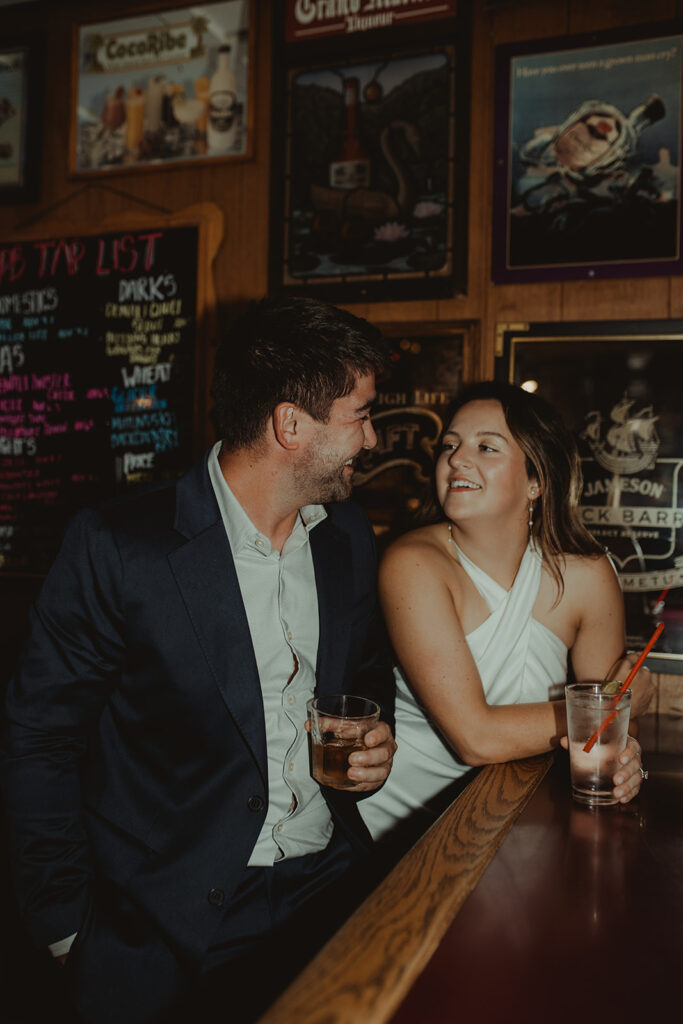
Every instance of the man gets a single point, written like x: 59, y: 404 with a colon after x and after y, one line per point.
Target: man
x: 160, y: 801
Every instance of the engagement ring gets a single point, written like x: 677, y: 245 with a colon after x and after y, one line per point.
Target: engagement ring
x: 643, y: 774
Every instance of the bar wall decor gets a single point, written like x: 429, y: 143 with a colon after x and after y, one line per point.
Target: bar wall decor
x: 370, y: 129
x: 163, y: 88
x: 617, y: 386
x: 587, y: 169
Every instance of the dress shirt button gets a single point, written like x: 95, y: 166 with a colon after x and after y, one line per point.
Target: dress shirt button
x: 279, y: 828
x: 289, y: 634
x: 291, y: 766
x: 290, y: 700
x: 259, y: 542
x: 216, y: 897
x: 255, y: 803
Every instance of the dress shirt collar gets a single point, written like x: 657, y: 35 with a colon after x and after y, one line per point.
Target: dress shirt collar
x: 240, y: 530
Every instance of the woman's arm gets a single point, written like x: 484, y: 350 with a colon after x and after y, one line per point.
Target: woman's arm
x: 430, y: 644
x: 598, y: 651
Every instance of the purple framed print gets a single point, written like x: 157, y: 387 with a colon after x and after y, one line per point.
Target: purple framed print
x: 588, y: 155
x: 615, y: 384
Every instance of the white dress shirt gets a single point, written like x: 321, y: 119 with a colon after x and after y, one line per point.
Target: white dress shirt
x: 281, y: 602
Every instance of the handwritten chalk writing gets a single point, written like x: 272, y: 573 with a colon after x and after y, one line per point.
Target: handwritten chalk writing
x: 15, y: 382
x: 12, y: 357
x: 131, y: 399
x: 145, y: 326
x: 143, y: 421
x: 169, y: 338
x: 113, y: 309
x: 135, y: 350
x: 53, y: 381
x: 42, y: 300
x: 165, y: 308
x: 132, y: 463
x: 12, y: 263
x: 124, y: 254
x: 64, y: 431
x: 17, y: 445
x: 161, y: 440
x: 148, y: 289
x: 146, y: 374
x: 71, y: 253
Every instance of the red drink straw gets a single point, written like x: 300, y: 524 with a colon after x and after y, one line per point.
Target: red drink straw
x: 659, y: 603
x: 624, y: 686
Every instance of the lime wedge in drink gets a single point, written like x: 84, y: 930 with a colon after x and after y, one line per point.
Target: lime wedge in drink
x: 611, y: 685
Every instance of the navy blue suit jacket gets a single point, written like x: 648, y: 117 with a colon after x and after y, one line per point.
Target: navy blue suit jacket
x: 136, y: 741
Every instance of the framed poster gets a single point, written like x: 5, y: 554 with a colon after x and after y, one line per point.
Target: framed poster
x: 369, y: 196
x: 429, y: 364
x: 167, y: 87
x: 20, y: 119
x: 618, y: 388
x: 588, y: 156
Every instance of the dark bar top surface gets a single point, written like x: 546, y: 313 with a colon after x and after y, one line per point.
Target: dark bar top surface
x: 578, y: 917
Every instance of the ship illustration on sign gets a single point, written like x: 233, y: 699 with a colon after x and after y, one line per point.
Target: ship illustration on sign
x: 631, y: 441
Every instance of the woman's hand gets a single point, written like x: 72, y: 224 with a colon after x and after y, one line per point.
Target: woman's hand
x: 628, y: 778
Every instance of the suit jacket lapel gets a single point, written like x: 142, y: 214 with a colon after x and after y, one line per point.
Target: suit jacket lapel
x: 205, y: 572
x: 331, y: 559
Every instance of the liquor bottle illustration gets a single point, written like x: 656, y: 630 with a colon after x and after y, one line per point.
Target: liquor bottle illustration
x: 221, y: 129
x: 351, y: 166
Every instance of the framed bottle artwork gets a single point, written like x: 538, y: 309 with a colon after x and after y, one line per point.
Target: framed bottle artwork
x: 616, y: 385
x: 164, y: 88
x: 370, y: 147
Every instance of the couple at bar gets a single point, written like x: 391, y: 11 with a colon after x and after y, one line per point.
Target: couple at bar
x: 169, y: 845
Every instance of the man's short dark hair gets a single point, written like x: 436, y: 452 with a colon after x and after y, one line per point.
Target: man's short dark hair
x: 296, y: 350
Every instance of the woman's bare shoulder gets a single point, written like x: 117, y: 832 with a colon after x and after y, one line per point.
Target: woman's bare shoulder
x: 590, y: 579
x: 586, y: 568
x: 420, y: 549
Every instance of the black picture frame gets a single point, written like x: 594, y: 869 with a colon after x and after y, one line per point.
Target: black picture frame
x: 430, y: 361
x: 375, y: 241
x: 21, y: 117
x: 587, y: 166
x: 617, y: 385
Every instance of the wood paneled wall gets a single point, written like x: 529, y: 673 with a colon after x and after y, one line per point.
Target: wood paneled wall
x: 241, y: 189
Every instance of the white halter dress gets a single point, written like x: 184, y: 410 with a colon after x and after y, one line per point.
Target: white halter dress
x: 519, y: 661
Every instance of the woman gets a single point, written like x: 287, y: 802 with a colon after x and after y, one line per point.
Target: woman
x: 484, y: 606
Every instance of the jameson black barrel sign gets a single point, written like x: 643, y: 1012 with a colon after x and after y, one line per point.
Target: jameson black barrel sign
x: 618, y: 387
x: 97, y: 341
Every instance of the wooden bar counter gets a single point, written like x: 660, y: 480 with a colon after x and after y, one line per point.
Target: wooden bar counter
x: 518, y: 905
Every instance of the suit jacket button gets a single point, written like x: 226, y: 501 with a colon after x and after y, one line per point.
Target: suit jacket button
x: 216, y: 897
x: 255, y: 803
